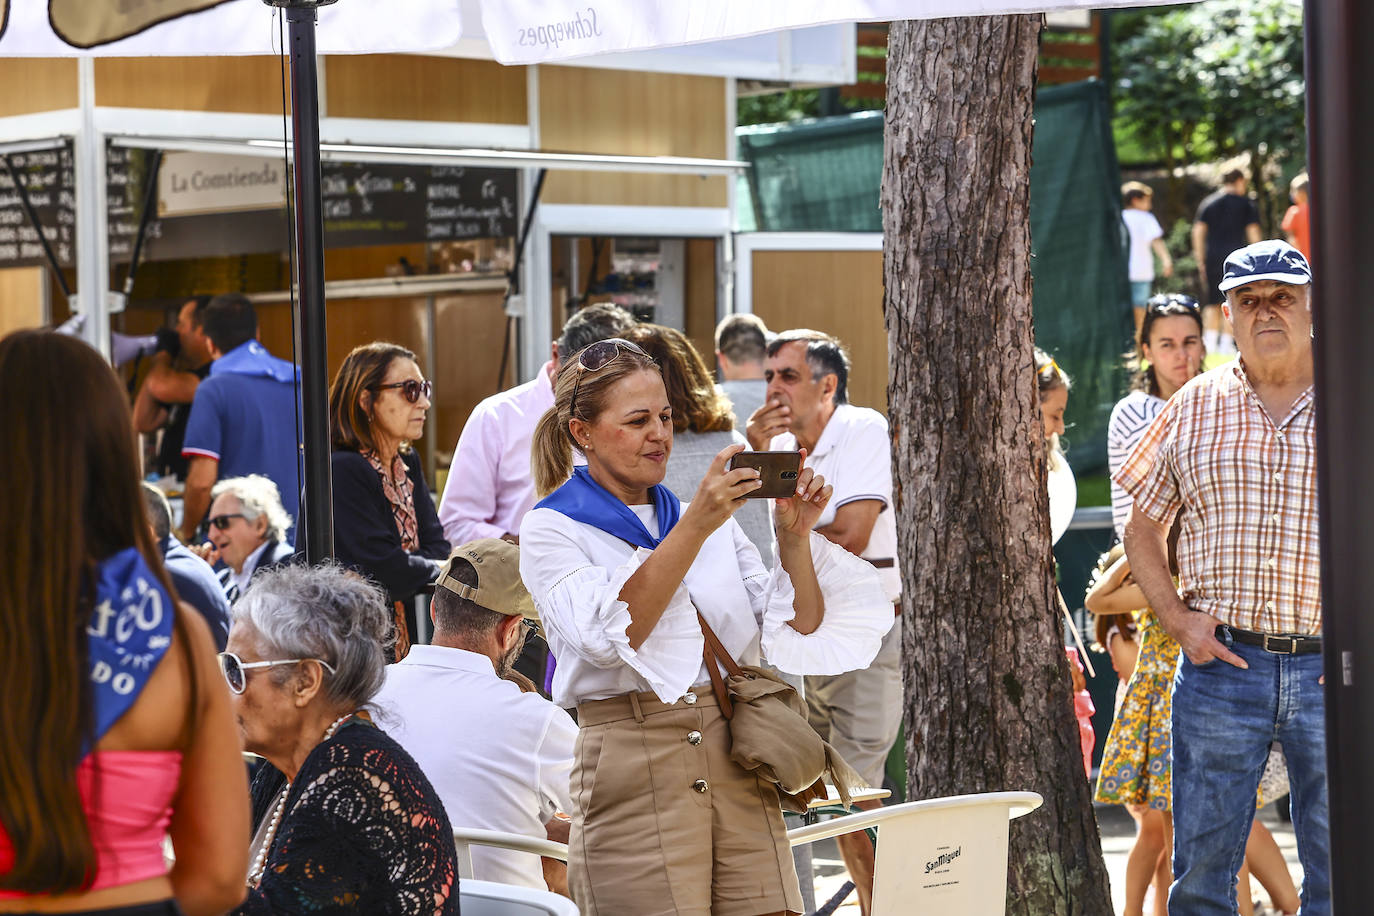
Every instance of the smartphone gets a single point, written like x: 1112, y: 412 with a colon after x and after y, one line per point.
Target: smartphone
x: 778, y: 470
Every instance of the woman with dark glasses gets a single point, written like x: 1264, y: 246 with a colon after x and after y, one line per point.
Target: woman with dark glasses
x: 385, y: 525
x: 117, y: 732
x: 348, y: 823
x: 623, y: 573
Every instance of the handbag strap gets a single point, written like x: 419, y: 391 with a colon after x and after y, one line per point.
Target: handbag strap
x: 713, y: 651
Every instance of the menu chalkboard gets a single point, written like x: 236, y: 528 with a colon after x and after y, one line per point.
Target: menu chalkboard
x: 368, y: 204
x: 363, y: 204
x: 48, y: 177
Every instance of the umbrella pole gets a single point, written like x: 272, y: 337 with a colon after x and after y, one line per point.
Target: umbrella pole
x: 1340, y: 115
x: 317, y: 522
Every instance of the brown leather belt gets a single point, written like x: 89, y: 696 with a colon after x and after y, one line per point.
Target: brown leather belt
x: 882, y: 562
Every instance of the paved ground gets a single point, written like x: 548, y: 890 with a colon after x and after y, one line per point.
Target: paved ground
x: 1118, y: 833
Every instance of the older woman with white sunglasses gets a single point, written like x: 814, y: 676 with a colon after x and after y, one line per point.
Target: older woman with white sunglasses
x: 356, y: 826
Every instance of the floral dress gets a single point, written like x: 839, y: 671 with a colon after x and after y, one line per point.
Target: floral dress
x: 1135, y: 761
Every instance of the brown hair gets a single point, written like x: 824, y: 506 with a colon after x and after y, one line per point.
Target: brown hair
x: 551, y: 449
x: 71, y: 499
x: 350, y: 428
x: 697, y: 404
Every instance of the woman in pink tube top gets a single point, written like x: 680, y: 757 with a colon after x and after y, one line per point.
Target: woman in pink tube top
x: 117, y: 728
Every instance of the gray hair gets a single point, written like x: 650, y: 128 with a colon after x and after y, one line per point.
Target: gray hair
x: 159, y: 512
x: 259, y: 497
x: 590, y: 324
x: 323, y: 612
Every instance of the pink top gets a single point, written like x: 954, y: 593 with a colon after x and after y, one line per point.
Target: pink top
x: 135, y: 791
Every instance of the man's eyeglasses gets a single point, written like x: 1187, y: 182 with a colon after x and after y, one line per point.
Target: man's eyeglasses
x: 411, y: 389
x: 236, y: 670
x: 222, y: 522
x: 597, y: 356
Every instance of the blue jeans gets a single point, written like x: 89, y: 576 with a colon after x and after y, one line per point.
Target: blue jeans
x: 1224, y: 720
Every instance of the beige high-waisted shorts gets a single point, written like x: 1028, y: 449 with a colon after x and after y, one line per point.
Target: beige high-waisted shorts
x: 664, y: 822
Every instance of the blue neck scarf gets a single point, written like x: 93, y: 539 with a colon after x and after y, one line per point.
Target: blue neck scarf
x: 129, y: 632
x: 584, y: 500
x: 252, y: 358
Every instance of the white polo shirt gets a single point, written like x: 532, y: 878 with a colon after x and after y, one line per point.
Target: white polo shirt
x: 500, y: 759
x: 854, y: 455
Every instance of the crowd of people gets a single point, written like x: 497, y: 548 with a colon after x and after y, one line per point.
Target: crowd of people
x: 596, y: 506
x: 599, y: 507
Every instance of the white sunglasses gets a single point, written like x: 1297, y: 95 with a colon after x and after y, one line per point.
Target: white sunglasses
x: 235, y: 669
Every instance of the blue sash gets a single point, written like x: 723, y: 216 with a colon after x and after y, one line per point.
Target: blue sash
x: 252, y: 358
x: 584, y: 500
x: 129, y: 632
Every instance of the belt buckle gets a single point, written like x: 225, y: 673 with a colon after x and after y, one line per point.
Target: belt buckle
x: 1279, y: 640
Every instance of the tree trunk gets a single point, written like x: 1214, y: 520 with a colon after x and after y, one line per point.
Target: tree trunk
x: 988, y: 703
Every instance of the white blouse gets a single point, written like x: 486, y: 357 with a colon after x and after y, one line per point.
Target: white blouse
x: 575, y: 573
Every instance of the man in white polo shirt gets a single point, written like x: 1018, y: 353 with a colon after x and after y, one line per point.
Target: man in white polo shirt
x: 807, y: 406
x: 500, y: 758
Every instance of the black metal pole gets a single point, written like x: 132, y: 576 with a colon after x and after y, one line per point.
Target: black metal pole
x: 317, y: 506
x: 1340, y: 128
x: 149, y: 199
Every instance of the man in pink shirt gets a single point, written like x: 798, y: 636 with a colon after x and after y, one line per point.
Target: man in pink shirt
x: 490, y: 487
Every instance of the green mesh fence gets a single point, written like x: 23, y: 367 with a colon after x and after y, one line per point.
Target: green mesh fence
x: 824, y: 175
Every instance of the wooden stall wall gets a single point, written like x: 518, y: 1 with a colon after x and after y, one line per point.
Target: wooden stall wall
x: 33, y: 84
x: 391, y: 86
x: 241, y: 85
x: 23, y: 299
x: 418, y: 88
x: 839, y: 292
x: 585, y: 110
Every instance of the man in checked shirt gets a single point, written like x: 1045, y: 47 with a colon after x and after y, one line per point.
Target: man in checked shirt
x: 1235, y: 448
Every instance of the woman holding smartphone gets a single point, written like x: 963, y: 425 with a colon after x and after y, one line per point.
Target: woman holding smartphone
x: 664, y: 821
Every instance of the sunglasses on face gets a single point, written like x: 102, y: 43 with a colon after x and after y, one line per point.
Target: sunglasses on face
x: 222, y: 522
x: 411, y: 389
x: 597, y: 356
x: 235, y: 669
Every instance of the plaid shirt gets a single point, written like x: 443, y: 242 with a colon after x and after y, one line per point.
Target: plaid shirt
x: 1248, y: 550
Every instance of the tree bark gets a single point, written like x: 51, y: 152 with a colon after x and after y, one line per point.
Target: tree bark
x: 988, y: 704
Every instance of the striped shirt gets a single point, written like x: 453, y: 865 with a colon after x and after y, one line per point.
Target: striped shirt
x: 1248, y: 551
x: 1131, y: 416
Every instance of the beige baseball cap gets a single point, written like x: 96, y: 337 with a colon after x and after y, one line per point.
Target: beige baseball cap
x: 499, y: 586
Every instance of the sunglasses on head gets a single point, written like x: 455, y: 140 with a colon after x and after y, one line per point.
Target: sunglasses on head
x: 222, y: 522
x: 235, y: 669
x: 411, y: 389
x: 597, y: 356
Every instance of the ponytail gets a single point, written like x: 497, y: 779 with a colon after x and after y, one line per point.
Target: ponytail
x: 550, y: 453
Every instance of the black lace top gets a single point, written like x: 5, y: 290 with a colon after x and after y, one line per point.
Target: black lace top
x: 363, y: 832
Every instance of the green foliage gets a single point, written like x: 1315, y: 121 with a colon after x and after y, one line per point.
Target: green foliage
x: 1210, y: 81
x: 796, y: 104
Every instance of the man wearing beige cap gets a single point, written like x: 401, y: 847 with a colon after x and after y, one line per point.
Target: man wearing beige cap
x: 500, y: 758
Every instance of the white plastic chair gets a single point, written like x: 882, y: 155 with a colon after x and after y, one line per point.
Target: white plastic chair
x: 464, y: 838
x: 941, y: 855
x: 486, y: 898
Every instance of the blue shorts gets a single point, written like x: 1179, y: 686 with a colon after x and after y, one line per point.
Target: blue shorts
x: 1140, y: 292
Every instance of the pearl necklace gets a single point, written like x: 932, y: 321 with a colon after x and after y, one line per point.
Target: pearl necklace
x: 259, y: 866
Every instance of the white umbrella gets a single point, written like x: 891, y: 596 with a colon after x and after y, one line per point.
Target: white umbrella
x: 531, y: 31
x: 55, y: 28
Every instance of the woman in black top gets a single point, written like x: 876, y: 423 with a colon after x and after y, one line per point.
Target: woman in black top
x: 352, y: 825
x: 385, y: 525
